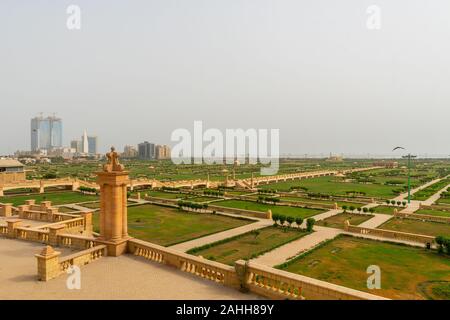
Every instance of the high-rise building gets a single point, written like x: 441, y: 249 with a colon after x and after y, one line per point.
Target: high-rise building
x: 92, y: 144
x: 162, y: 152
x: 84, y: 143
x: 129, y: 152
x: 146, y: 150
x: 46, y: 133
x: 76, y: 144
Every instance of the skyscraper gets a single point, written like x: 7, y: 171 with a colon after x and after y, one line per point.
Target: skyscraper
x: 46, y: 133
x: 146, y: 150
x: 92, y: 145
x: 85, y: 143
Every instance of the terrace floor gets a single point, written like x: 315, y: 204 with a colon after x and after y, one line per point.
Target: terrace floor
x: 124, y: 277
x: 25, y: 222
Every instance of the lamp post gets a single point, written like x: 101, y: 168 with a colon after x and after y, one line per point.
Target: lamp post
x: 409, y: 156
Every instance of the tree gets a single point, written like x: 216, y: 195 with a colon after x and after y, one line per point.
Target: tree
x: 344, y: 207
x: 365, y: 210
x: 310, y: 224
x: 275, y: 217
x: 404, y: 203
x: 399, y: 203
x: 393, y: 202
x: 352, y: 208
x: 282, y: 219
x: 299, y: 221
x: 359, y: 209
x: 388, y: 202
x: 371, y: 210
x: 290, y: 220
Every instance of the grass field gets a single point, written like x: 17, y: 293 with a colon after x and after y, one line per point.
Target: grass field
x: 56, y: 198
x: 424, y: 194
x: 335, y: 186
x: 248, y: 245
x: 387, y: 209
x: 439, y: 213
x: 406, y: 272
x: 288, y: 211
x: 327, y: 202
x: 168, y: 226
x: 417, y: 226
x: 337, y: 221
x: 165, y: 195
x: 202, y: 199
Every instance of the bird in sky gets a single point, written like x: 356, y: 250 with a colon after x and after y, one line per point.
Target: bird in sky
x: 398, y: 148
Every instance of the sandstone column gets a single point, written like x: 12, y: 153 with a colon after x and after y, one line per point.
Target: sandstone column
x: 113, y: 181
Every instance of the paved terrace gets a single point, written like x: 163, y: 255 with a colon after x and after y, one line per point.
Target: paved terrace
x: 125, y: 277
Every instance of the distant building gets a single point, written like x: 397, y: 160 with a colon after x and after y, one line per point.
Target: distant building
x: 76, y: 144
x: 146, y: 150
x: 11, y: 171
x: 162, y: 152
x: 84, y: 143
x: 386, y: 164
x: 129, y: 152
x: 46, y: 133
x: 92, y: 145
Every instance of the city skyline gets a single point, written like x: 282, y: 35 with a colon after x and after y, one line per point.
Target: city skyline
x: 329, y: 85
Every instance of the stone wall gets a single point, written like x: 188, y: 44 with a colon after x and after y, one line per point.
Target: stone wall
x: 404, y: 236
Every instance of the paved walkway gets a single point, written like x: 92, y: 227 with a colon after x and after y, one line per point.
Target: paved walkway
x: 185, y: 246
x: 325, y: 215
x: 435, y: 197
x: 405, y: 195
x: 294, y: 248
x: 376, y: 221
x: 124, y: 277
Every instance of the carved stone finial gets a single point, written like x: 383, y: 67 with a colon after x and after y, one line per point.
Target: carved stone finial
x: 113, y: 162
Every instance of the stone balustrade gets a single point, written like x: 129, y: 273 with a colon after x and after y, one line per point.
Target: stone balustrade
x: 422, y: 217
x: 203, y: 268
x: 404, y: 236
x: 278, y: 284
x: 3, y: 230
x: 50, y: 266
x: 32, y: 235
x: 76, y: 241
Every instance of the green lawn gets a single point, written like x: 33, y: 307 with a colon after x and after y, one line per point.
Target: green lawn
x: 248, y: 245
x: 165, y: 195
x: 202, y: 199
x: 387, y: 209
x: 417, y: 226
x: 255, y: 206
x: 424, y: 194
x: 406, y: 272
x: 168, y: 226
x: 337, y: 221
x: 432, y: 212
x: 334, y: 186
x: 56, y: 198
x: 319, y: 202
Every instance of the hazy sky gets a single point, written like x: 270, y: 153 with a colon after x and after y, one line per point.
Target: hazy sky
x: 137, y: 70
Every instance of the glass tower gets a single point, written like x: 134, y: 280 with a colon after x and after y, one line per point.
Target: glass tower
x: 46, y: 133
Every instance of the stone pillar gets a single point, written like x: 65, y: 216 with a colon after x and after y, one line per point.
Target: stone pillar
x: 113, y: 181
x: 346, y: 225
x: 1, y: 192
x: 41, y: 187
x: 138, y: 196
x: 53, y: 232
x: 48, y: 264
x: 45, y: 205
x: 75, y: 185
x: 269, y: 214
x: 87, y: 221
x: 30, y: 202
x: 12, y: 225
x: 22, y: 209
x: 336, y: 206
x: 6, y: 210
